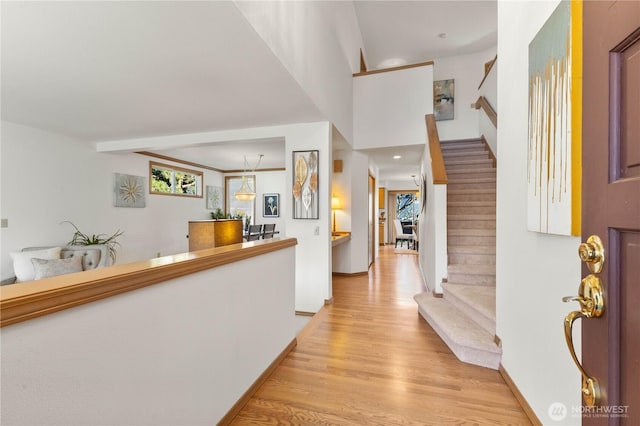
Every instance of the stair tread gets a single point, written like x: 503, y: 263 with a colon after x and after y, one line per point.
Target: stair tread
x: 474, y: 249
x: 471, y: 191
x: 476, y: 170
x: 462, y: 268
x: 457, y: 326
x: 471, y: 203
x: 480, y: 298
x: 475, y: 232
x: 471, y: 217
x: 472, y: 180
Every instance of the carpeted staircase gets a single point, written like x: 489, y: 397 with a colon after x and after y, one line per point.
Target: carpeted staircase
x: 465, y: 316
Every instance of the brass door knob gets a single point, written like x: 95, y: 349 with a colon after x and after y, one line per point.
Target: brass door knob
x: 592, y: 252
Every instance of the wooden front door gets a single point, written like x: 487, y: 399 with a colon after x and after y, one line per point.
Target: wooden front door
x: 611, y: 205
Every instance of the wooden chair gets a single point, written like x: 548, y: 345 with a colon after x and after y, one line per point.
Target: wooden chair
x: 268, y: 230
x: 254, y: 232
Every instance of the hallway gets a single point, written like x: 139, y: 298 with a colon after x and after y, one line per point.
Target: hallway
x: 370, y: 359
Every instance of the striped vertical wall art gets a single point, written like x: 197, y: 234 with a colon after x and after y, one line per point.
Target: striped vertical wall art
x: 555, y: 120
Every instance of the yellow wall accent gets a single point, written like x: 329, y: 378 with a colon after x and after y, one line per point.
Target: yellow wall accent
x: 576, y: 117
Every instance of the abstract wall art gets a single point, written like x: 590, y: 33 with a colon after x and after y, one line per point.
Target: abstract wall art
x: 305, y: 184
x: 555, y: 120
x: 443, y: 99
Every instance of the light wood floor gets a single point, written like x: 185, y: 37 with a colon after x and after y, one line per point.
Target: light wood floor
x: 370, y: 359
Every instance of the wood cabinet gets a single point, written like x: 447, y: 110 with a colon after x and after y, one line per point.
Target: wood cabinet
x: 204, y: 234
x: 381, y: 198
x: 381, y: 231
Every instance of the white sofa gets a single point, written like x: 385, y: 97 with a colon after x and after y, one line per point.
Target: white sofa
x: 92, y: 257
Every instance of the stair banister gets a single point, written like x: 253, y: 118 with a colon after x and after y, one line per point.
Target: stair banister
x: 437, y: 161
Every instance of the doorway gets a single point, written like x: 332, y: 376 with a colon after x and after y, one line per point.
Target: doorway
x: 403, y: 205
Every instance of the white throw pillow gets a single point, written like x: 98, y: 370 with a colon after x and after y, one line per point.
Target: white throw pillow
x: 52, y: 267
x: 22, y: 266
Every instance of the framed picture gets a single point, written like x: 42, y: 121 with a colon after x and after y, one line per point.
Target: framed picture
x: 271, y: 205
x: 443, y: 100
x: 555, y: 84
x: 128, y: 190
x: 305, y: 184
x: 214, y: 197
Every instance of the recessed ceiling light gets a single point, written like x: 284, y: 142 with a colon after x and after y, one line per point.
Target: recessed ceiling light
x: 442, y: 35
x: 397, y: 157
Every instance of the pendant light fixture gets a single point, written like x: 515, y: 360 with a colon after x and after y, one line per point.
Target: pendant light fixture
x: 245, y: 193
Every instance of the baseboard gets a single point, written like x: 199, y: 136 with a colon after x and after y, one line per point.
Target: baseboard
x: 488, y: 148
x: 519, y: 397
x: 328, y: 301
x: 239, y: 405
x: 346, y: 274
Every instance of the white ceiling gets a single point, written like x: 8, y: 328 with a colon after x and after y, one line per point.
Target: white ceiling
x: 121, y: 70
x: 405, y: 32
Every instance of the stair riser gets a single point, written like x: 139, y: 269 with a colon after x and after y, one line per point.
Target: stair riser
x: 470, y: 175
x: 453, y: 158
x: 468, y: 165
x: 471, y: 224
x: 460, y: 186
x: 472, y: 259
x: 471, y: 197
x: 467, y: 151
x: 466, y: 145
x: 470, y: 240
x: 471, y: 210
x: 472, y: 279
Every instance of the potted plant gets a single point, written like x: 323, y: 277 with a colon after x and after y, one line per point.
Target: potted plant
x: 81, y: 239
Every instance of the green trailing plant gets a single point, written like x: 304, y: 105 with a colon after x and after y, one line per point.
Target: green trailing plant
x: 81, y: 239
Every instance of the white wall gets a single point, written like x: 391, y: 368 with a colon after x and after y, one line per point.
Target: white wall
x: 180, y: 352
x: 433, y: 230
x: 533, y: 270
x: 389, y: 107
x: 313, y: 252
x: 319, y: 44
x: 467, y: 71
x: 48, y: 178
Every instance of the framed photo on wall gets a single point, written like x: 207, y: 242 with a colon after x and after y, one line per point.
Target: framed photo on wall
x: 271, y: 205
x: 443, y: 99
x: 305, y: 184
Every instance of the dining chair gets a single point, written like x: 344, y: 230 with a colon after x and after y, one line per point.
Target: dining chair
x: 254, y: 232
x: 268, y: 230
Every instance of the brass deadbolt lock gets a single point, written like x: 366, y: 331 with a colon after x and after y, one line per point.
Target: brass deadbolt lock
x: 592, y: 252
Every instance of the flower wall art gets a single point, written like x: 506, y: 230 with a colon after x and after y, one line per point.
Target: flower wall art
x: 128, y: 191
x: 305, y: 184
x: 271, y: 205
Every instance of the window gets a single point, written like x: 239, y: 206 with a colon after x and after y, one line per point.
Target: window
x: 236, y: 207
x: 171, y: 180
x: 407, y: 207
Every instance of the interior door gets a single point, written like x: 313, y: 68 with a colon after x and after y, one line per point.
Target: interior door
x: 611, y: 205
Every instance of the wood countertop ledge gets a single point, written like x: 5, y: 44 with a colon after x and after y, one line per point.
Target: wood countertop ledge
x: 23, y: 301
